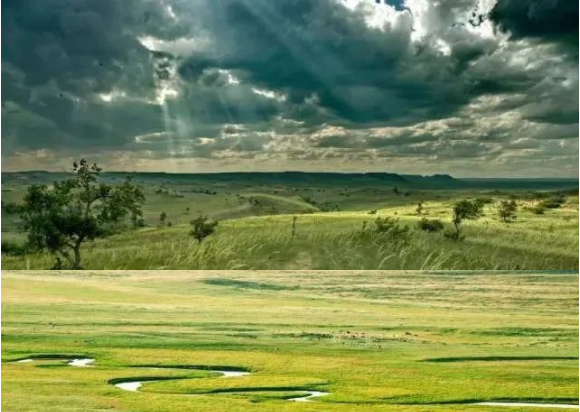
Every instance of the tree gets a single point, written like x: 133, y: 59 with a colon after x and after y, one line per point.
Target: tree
x: 420, y: 207
x: 59, y: 218
x: 465, y: 210
x: 202, y: 228
x: 294, y: 218
x: 396, y: 191
x: 162, y: 218
x: 507, y: 210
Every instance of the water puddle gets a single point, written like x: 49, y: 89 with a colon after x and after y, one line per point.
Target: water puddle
x: 130, y: 386
x: 308, y: 398
x: 80, y: 362
x: 134, y: 386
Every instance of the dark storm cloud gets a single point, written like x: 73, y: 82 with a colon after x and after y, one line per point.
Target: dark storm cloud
x: 217, y: 79
x: 85, y: 46
x: 57, y: 54
x: 549, y: 20
x: 305, y: 47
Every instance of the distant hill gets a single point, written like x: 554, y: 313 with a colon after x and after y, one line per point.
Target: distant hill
x: 294, y: 178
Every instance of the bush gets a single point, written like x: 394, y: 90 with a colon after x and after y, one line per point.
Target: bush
x: 390, y: 226
x: 202, y: 228
x: 430, y: 225
x: 453, y: 235
x: 14, y: 249
x: 484, y: 200
x: 553, y: 203
x: 11, y: 208
x: 372, y: 212
x: 538, y: 210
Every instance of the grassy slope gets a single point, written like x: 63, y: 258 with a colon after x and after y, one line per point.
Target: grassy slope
x: 334, y: 241
x: 363, y: 336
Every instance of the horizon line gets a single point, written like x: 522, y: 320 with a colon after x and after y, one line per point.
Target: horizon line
x: 300, y: 171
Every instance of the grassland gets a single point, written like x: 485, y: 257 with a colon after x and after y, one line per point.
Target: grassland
x: 255, y: 230
x: 376, y: 341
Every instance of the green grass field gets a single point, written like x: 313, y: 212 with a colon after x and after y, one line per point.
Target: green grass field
x: 335, y: 240
x: 255, y: 230
x: 376, y: 341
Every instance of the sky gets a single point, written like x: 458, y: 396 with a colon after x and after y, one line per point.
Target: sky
x: 471, y: 88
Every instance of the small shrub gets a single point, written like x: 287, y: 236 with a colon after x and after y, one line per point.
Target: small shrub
x: 14, y: 249
x: 553, y: 203
x: 390, y: 226
x: 373, y: 212
x: 138, y: 223
x: 430, y: 225
x: 202, y: 228
x: 11, y: 208
x: 484, y: 200
x: 453, y: 235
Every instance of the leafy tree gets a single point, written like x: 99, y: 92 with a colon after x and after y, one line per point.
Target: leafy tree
x: 507, y: 210
x: 202, y: 228
x: 396, y: 191
x: 162, y: 218
x: 465, y: 210
x: 59, y: 218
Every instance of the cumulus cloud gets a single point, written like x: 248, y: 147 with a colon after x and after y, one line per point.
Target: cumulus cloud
x: 317, y: 84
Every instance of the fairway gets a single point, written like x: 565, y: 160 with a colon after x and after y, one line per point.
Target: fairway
x: 164, y: 341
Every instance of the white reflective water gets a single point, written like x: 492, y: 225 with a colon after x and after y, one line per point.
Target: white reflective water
x: 308, y: 398
x: 80, y: 362
x: 134, y: 386
x: 129, y: 386
x: 83, y: 363
x: 232, y: 374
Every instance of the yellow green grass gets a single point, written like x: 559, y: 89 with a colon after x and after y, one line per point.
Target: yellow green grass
x: 376, y: 340
x: 335, y: 240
